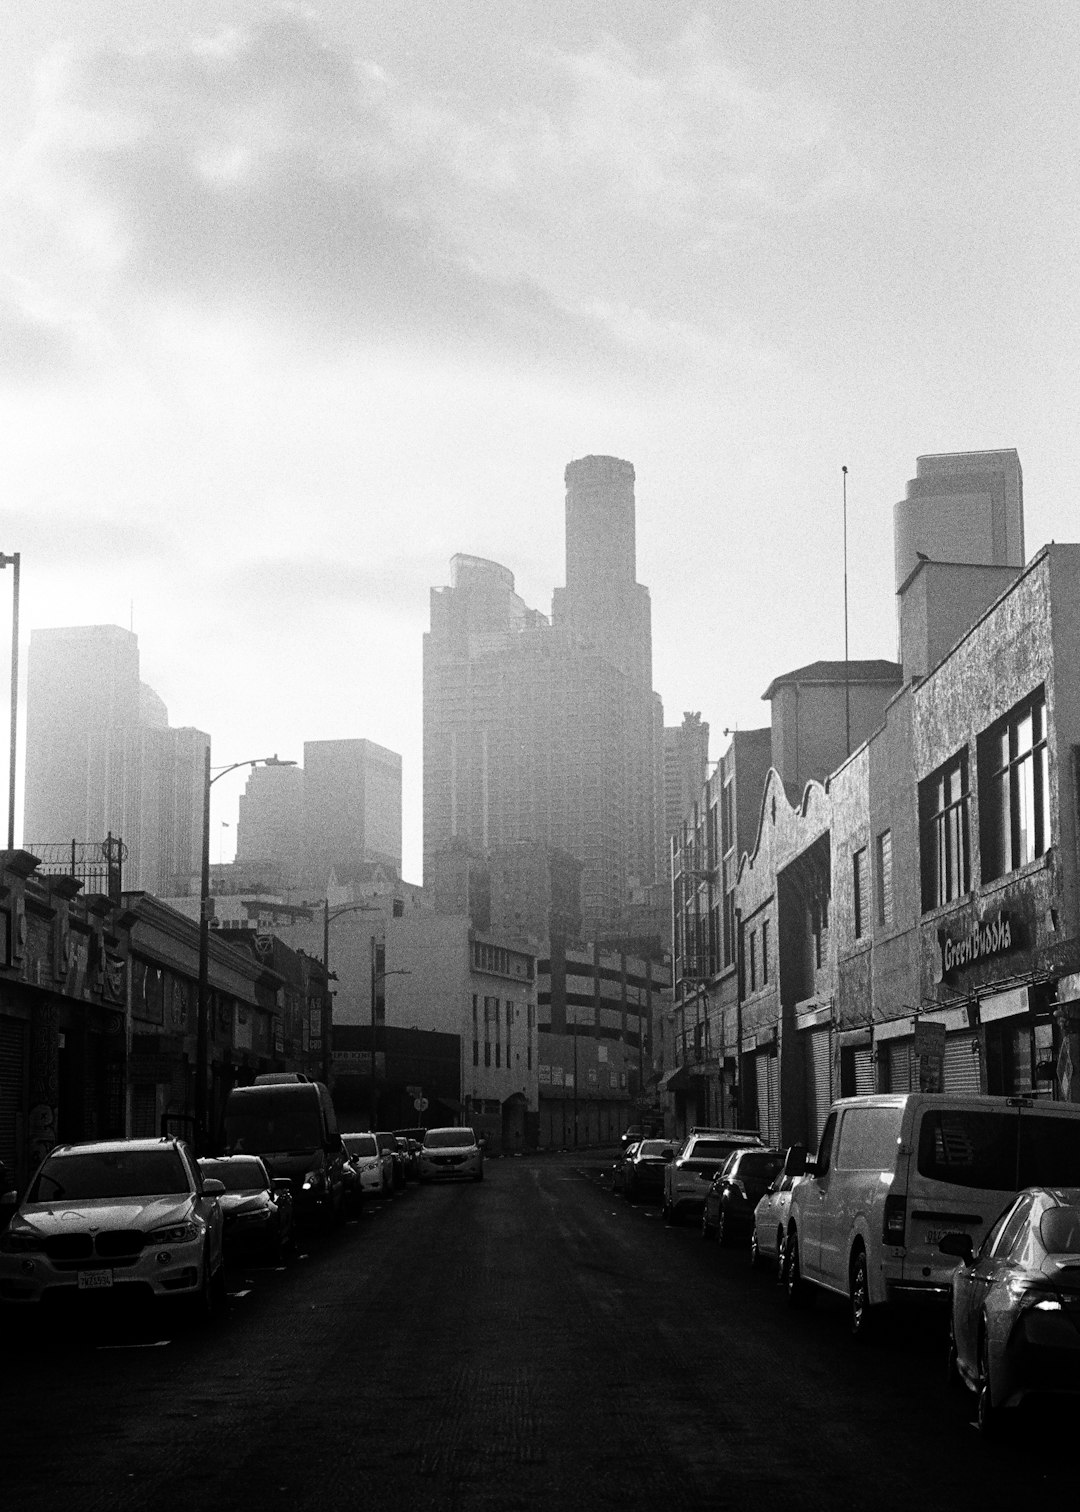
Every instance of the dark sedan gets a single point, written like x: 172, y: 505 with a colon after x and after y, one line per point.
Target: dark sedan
x: 736, y: 1190
x: 1015, y: 1325
x: 257, y: 1209
x: 644, y: 1178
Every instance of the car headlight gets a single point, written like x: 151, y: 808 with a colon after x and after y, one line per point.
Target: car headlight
x: 176, y: 1233
x: 313, y: 1181
x: 15, y: 1243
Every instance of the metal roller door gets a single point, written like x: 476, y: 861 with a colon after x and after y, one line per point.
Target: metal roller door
x: 901, y: 1066
x: 12, y: 1087
x: 817, y: 1052
x: 761, y: 1079
x: 863, y: 1064
x: 774, y: 1099
x: 961, y: 1066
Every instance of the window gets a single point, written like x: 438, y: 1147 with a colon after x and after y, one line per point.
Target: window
x: 858, y: 870
x: 753, y: 960
x: 943, y: 833
x: 884, y: 879
x: 1014, y: 793
x: 729, y: 928
x: 764, y: 951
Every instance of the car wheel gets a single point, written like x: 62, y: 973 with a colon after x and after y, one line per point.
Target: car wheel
x: 778, y: 1261
x: 669, y: 1214
x: 203, y: 1305
x: 862, y: 1317
x: 987, y: 1416
x: 706, y: 1226
x: 794, y: 1285
x: 723, y: 1230
x: 756, y: 1257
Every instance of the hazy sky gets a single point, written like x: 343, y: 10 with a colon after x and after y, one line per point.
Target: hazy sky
x: 299, y: 301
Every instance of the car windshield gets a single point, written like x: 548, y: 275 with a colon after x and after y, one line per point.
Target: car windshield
x: 653, y: 1147
x: 110, y: 1173
x: 446, y: 1139
x: 236, y: 1175
x: 272, y: 1119
x: 701, y: 1149
x: 361, y: 1144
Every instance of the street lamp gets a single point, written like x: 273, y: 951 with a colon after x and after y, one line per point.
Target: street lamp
x: 202, y: 1034
x: 13, y: 562
x: 376, y: 978
x: 328, y: 916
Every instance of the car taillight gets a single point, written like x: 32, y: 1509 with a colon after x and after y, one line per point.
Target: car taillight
x: 895, y: 1219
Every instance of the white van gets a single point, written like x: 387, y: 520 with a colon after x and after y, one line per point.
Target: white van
x: 895, y: 1172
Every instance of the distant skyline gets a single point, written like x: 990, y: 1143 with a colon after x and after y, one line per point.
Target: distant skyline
x: 299, y: 301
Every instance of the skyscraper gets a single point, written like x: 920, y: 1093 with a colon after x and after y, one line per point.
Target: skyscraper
x: 101, y: 757
x: 549, y: 731
x: 352, y: 806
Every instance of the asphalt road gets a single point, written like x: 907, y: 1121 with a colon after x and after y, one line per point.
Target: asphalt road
x: 531, y: 1342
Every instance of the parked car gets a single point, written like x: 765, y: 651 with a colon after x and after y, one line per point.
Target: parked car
x: 690, y: 1174
x: 354, y: 1188
x: 1015, y: 1320
x: 735, y: 1192
x: 894, y: 1173
x: 644, y: 1180
x: 637, y: 1132
x: 410, y: 1155
x: 451, y: 1153
x: 120, y: 1216
x: 619, y: 1165
x: 257, y: 1208
x: 375, y: 1164
x: 770, y: 1225
x: 293, y: 1126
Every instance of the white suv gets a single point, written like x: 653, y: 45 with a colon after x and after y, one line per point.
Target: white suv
x: 449, y: 1153
x: 121, y: 1215
x: 690, y: 1173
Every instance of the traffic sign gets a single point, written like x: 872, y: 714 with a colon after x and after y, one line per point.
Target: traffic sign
x: 420, y: 1104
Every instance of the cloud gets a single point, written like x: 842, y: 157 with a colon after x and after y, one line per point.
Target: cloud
x: 267, y: 170
x: 307, y: 585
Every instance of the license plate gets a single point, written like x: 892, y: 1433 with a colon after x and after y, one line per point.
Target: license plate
x: 95, y: 1280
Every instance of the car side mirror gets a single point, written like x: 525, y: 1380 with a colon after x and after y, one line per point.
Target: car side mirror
x: 795, y: 1161
x: 960, y: 1245
x: 212, y: 1187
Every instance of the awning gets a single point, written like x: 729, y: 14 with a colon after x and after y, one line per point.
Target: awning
x: 677, y: 1080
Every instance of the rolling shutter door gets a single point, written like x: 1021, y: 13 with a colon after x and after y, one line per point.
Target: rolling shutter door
x: 863, y: 1063
x: 12, y: 1087
x: 761, y: 1079
x: 818, y: 1053
x: 901, y: 1064
x: 773, y: 1064
x: 144, y: 1110
x: 961, y: 1067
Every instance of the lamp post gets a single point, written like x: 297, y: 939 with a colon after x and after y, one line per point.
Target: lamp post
x: 376, y: 978
x: 328, y: 916
x: 13, y: 562
x: 202, y: 1028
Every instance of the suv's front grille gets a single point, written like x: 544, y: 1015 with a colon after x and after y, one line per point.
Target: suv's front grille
x: 76, y: 1251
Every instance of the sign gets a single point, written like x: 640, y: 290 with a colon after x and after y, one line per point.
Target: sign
x: 930, y: 1051
x: 420, y: 1104
x: 985, y: 938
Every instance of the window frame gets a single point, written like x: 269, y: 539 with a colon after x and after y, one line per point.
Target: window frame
x: 1013, y: 778
x: 945, y: 833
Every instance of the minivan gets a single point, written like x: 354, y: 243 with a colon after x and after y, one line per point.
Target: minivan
x: 293, y: 1126
x: 894, y: 1173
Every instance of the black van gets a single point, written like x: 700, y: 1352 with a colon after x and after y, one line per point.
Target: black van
x: 293, y: 1127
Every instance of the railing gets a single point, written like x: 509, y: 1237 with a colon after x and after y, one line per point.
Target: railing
x: 97, y: 864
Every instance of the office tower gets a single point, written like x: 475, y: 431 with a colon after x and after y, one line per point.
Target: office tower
x: 961, y: 507
x: 352, y: 807
x: 549, y: 731
x: 101, y: 757
x: 686, y: 767
x: 270, y: 823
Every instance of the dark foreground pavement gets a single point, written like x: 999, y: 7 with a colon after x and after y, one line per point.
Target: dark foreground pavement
x: 530, y: 1342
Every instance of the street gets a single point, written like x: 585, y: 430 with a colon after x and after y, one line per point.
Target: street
x: 530, y: 1342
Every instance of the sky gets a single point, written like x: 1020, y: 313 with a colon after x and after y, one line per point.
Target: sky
x: 298, y: 301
